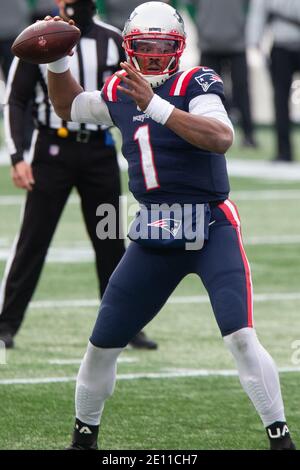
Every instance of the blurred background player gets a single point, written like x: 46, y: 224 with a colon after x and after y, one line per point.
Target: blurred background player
x: 14, y: 17
x: 116, y: 12
x: 282, y: 17
x: 41, y: 8
x: 222, y: 40
x: 65, y: 155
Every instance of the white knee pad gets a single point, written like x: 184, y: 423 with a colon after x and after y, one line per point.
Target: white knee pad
x: 258, y: 374
x: 95, y: 382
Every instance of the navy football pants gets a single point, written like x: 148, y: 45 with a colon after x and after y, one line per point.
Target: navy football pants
x: 145, y: 278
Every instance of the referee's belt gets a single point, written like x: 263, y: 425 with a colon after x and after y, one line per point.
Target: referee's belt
x: 83, y: 136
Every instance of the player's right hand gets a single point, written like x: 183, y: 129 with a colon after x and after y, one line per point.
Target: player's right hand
x: 58, y: 18
x: 22, y: 176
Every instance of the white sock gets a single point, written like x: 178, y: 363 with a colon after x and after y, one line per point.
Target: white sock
x: 95, y: 382
x: 258, y: 374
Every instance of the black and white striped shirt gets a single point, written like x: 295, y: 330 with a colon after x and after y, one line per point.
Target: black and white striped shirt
x: 97, y: 56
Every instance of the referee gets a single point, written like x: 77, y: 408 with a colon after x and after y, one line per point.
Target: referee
x: 64, y: 155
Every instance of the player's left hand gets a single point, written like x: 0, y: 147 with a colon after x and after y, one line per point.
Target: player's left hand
x: 138, y: 88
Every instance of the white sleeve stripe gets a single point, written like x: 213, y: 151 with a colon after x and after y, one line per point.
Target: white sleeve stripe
x: 110, y: 88
x: 179, y: 83
x: 181, y: 80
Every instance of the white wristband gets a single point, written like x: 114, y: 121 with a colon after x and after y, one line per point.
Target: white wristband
x: 59, y: 66
x: 159, y: 109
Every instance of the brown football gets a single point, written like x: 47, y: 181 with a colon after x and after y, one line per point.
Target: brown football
x: 45, y: 41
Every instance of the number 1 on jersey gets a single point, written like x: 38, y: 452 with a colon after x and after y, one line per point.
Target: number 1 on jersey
x: 142, y: 136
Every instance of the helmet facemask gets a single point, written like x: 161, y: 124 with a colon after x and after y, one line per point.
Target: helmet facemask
x: 154, y: 40
x: 153, y: 54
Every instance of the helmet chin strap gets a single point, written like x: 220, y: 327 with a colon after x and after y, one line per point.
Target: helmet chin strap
x: 155, y: 80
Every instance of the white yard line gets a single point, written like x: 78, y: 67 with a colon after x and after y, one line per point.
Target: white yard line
x: 85, y: 254
x: 272, y: 240
x: 260, y: 169
x: 265, y: 195
x: 264, y: 170
x: 80, y: 303
x: 61, y: 255
x: 177, y: 373
x: 272, y: 297
x: 189, y: 299
x: 17, y: 200
x: 255, y: 195
x: 66, y: 362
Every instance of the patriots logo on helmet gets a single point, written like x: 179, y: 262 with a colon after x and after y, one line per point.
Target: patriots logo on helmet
x: 170, y: 225
x: 206, y: 80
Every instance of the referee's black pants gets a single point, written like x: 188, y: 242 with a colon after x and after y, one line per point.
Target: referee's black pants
x: 6, y: 56
x: 58, y: 166
x: 284, y: 63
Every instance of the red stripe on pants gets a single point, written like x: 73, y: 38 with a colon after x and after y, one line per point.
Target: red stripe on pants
x: 227, y: 210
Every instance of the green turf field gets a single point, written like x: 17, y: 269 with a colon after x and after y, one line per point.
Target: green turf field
x: 178, y: 407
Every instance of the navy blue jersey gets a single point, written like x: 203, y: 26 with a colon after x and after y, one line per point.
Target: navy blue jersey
x: 163, y: 167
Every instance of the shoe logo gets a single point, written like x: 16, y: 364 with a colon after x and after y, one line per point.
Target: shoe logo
x: 279, y: 433
x: 83, y: 430
x: 211, y: 222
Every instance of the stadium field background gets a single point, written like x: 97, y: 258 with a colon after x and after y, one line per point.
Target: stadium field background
x: 185, y: 395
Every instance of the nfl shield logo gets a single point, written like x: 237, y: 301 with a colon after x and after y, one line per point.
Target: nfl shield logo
x: 54, y: 150
x: 206, y: 80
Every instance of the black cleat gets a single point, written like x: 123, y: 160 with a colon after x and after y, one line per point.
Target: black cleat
x: 284, y: 443
x: 141, y: 341
x: 85, y: 436
x: 75, y: 446
x: 7, y: 339
x: 279, y: 436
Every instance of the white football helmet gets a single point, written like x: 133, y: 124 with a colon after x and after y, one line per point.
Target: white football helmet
x: 154, y: 40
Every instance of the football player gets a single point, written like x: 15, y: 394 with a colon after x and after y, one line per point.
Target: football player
x: 175, y: 133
